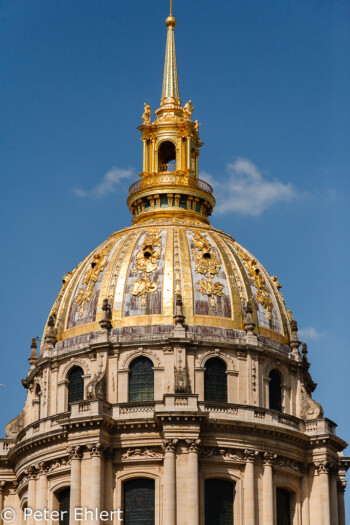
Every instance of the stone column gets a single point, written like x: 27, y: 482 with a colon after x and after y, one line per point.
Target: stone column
x: 268, y: 490
x: 305, y: 499
x: 249, y: 479
x: 2, y: 490
x: 333, y: 496
x: 96, y: 451
x: 323, y: 493
x: 108, y: 481
x: 42, y: 488
x: 341, y: 505
x: 169, y: 485
x: 32, y: 475
x: 75, y: 480
x: 193, y: 484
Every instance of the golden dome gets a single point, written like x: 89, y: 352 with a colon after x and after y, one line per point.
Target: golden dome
x: 130, y: 284
x: 142, y: 269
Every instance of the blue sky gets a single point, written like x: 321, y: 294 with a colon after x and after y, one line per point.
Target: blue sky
x: 270, y: 82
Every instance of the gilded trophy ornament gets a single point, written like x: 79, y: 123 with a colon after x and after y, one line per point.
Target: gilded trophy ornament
x: 208, y: 264
x: 92, y: 275
x: 146, y: 263
x: 262, y: 293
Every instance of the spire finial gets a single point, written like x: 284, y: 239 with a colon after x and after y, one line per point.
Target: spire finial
x: 170, y: 91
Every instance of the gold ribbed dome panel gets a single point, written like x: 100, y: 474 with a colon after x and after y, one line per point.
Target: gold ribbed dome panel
x: 142, y: 269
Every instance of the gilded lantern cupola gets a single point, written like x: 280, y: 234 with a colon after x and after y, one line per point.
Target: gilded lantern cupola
x: 169, y: 184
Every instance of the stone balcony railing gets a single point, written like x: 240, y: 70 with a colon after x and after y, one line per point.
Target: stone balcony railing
x: 5, y: 446
x: 171, y: 403
x: 251, y: 414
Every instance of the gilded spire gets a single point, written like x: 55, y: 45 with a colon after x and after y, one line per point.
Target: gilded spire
x: 170, y: 91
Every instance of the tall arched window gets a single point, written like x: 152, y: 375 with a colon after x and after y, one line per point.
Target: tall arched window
x: 275, y: 392
x: 63, y: 498
x: 37, y: 401
x: 283, y: 507
x: 167, y: 156
x: 139, y: 507
x: 218, y: 502
x: 141, y: 380
x: 215, y: 381
x: 75, y: 385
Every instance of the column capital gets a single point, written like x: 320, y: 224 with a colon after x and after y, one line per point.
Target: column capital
x: 32, y: 473
x: 192, y: 445
x: 269, y: 458
x: 96, y: 449
x: 341, y: 486
x: 75, y: 452
x: 323, y: 467
x: 250, y: 455
x: 42, y: 468
x: 169, y: 445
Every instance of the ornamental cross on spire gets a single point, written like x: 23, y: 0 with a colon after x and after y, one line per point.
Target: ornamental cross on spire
x: 170, y: 91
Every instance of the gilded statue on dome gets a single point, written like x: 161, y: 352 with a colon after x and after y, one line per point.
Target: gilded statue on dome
x: 188, y: 110
x: 146, y: 115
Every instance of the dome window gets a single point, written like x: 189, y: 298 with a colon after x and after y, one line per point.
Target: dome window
x: 139, y: 502
x: 215, y: 381
x: 63, y: 499
x: 275, y: 391
x: 283, y: 499
x: 167, y: 156
x: 218, y: 495
x: 141, y: 380
x: 75, y: 386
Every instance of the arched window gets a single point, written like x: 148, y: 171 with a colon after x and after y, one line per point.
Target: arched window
x: 141, y: 380
x: 37, y: 401
x: 275, y: 392
x: 139, y: 507
x: 167, y: 156
x: 215, y: 381
x: 218, y: 502
x: 283, y: 507
x: 75, y: 385
x: 63, y: 498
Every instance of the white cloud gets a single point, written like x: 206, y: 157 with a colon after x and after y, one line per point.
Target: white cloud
x: 108, y: 183
x: 246, y: 191
x: 309, y: 333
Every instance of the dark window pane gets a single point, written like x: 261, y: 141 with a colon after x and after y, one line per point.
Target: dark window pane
x: 283, y: 507
x: 75, y: 386
x: 215, y: 381
x: 139, y: 502
x: 218, y: 502
x: 275, y: 391
x: 141, y: 380
x: 63, y: 505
